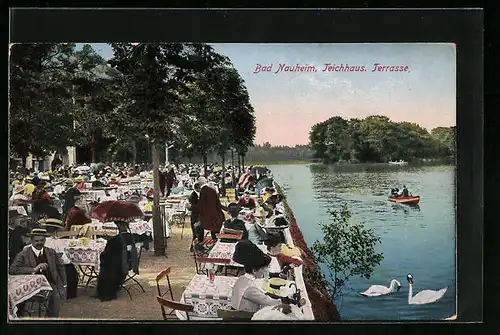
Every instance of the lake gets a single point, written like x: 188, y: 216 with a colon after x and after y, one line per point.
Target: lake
x: 417, y: 240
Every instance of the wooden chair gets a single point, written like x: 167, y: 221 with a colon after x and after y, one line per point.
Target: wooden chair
x: 162, y: 275
x: 201, y: 254
x: 175, y: 306
x: 104, y: 233
x: 131, y: 274
x: 68, y: 234
x: 230, y: 236
x: 179, y: 219
x: 234, y: 315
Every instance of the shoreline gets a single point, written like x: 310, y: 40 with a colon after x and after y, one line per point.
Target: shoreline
x: 323, y: 306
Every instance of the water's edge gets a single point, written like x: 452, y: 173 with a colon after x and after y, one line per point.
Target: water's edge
x: 323, y: 307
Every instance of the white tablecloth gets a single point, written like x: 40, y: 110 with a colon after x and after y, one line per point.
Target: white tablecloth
x: 23, y: 287
x: 207, y: 298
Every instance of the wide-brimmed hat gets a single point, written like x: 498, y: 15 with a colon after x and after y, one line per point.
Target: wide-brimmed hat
x: 26, y: 189
x: 248, y: 254
x: 233, y: 208
x: 274, y: 285
x: 51, y: 223
x: 79, y: 179
x: 69, y: 182
x: 272, y: 239
x: 38, y: 232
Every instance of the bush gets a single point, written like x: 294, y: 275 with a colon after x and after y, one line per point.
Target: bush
x: 347, y: 250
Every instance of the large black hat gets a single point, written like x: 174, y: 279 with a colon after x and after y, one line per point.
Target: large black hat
x: 249, y: 255
x: 272, y: 239
x: 233, y: 209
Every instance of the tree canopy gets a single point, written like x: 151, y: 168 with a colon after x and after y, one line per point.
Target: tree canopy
x: 378, y: 139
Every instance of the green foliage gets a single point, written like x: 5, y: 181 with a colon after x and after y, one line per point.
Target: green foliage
x: 347, y: 250
x: 377, y: 139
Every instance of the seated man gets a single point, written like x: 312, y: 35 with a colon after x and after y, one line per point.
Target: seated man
x: 42, y: 260
x: 234, y: 223
x: 405, y: 191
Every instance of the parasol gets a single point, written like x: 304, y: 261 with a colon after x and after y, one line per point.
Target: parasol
x: 260, y: 169
x: 262, y: 184
x: 116, y: 210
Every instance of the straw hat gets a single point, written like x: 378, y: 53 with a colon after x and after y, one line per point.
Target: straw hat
x: 276, y: 286
x: 79, y: 179
x: 39, y: 232
x: 51, y: 222
x: 69, y: 182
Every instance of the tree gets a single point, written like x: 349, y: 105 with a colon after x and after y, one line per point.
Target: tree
x: 154, y: 80
x: 347, y: 250
x: 40, y: 102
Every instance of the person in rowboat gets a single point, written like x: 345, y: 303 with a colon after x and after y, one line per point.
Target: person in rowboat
x: 405, y: 191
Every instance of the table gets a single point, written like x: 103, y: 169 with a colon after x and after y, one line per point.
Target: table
x: 88, y: 255
x: 24, y: 287
x: 207, y: 298
x: 136, y: 227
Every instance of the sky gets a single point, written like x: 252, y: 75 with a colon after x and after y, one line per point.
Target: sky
x: 288, y: 104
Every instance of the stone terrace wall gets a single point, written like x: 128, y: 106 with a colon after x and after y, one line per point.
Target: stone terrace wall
x: 323, y: 306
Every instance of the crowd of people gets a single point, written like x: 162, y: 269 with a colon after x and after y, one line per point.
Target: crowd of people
x: 53, y: 201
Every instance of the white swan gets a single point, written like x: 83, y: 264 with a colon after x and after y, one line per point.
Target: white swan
x: 377, y: 290
x: 425, y: 296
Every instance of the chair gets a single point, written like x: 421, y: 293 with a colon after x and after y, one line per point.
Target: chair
x: 230, y: 236
x: 175, y: 306
x: 234, y: 315
x: 164, y: 274
x: 68, y: 234
x: 106, y: 233
x: 131, y: 277
x: 37, y: 304
x: 179, y: 220
x: 206, y: 245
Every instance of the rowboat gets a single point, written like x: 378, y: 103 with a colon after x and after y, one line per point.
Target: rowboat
x: 410, y: 200
x: 400, y: 162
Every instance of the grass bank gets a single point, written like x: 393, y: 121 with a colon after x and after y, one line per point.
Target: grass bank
x: 255, y: 163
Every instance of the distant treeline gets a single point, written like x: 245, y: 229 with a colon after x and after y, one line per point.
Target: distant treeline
x: 377, y: 139
x: 267, y: 153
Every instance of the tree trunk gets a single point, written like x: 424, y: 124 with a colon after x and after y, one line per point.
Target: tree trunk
x: 239, y: 165
x: 134, y: 151
x: 205, y: 164
x: 223, y: 156
x: 23, y: 162
x: 92, y: 150
x: 158, y: 225
x: 243, y: 162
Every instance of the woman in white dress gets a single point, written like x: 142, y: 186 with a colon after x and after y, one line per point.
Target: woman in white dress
x: 247, y: 294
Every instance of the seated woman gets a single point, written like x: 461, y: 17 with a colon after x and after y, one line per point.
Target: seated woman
x: 286, y: 256
x: 234, y: 223
x: 116, y: 261
x: 246, y: 295
x: 246, y: 201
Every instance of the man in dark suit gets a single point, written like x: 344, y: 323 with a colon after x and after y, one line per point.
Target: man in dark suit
x: 39, y: 259
x: 210, y: 209
x: 194, y: 200
x: 16, y: 233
